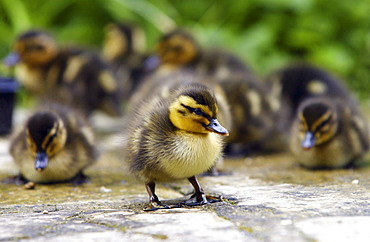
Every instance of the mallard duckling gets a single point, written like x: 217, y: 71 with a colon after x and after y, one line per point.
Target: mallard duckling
x: 163, y: 84
x: 174, y: 138
x: 329, y: 133
x: 254, y: 115
x: 55, y: 145
x: 123, y: 48
x: 296, y: 83
x: 178, y: 49
x: 71, y: 75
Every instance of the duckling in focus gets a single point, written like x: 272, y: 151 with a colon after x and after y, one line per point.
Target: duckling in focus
x: 174, y: 138
x: 329, y: 133
x: 162, y: 85
x: 123, y: 48
x: 178, y: 49
x: 72, y: 76
x: 55, y: 145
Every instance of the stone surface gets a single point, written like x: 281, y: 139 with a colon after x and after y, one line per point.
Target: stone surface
x: 265, y: 198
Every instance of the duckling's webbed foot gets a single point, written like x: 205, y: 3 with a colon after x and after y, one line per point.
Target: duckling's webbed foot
x: 196, y: 199
x: 154, y: 203
x: 199, y: 198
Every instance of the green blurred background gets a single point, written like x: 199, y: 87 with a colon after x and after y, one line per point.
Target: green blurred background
x: 267, y: 34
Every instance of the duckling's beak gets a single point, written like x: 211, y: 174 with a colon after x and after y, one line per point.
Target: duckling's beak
x: 308, y: 141
x: 151, y: 63
x: 12, y: 59
x: 216, y: 127
x: 41, y: 161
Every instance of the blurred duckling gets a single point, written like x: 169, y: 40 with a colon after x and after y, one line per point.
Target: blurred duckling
x: 70, y: 75
x: 55, y: 145
x: 123, y: 48
x: 296, y: 83
x: 178, y: 49
x: 174, y: 138
x: 329, y: 133
x: 255, y: 113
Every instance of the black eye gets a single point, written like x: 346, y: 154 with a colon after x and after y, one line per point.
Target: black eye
x: 34, y: 47
x: 197, y: 111
x: 323, y: 124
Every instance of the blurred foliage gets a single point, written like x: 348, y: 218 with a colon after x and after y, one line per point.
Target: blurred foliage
x: 267, y: 34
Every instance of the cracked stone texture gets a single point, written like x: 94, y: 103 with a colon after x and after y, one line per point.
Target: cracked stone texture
x: 266, y: 198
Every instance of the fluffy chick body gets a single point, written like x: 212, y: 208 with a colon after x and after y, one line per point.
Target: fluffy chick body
x: 329, y: 133
x: 65, y: 138
x: 123, y: 48
x: 254, y: 112
x: 178, y: 50
x: 159, y: 151
x: 64, y: 74
x: 174, y: 137
x: 296, y: 83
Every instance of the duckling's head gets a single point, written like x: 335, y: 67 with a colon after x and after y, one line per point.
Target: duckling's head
x: 122, y: 39
x: 195, y: 110
x: 34, y: 48
x: 46, y: 135
x: 317, y: 123
x: 177, y: 48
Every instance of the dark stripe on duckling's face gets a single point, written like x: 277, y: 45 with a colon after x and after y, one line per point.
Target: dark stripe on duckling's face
x: 35, y: 48
x: 177, y: 48
x: 201, y: 96
x: 213, y: 125
x: 189, y: 115
x: 318, y: 124
x: 39, y: 126
x: 46, y: 135
x: 50, y: 137
x: 196, y: 111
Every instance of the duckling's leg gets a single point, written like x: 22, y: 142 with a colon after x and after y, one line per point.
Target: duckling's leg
x: 199, y: 198
x: 17, y: 179
x: 79, y: 179
x: 154, y: 202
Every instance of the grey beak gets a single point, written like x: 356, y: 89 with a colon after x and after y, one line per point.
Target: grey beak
x: 308, y: 141
x: 216, y: 127
x: 41, y: 161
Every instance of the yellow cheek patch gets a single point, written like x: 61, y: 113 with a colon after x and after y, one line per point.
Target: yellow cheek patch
x: 183, y: 119
x: 52, y: 132
x: 58, y: 143
x: 327, y: 131
x: 30, y: 143
x: 322, y: 119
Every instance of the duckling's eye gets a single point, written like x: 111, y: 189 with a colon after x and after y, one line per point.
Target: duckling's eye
x: 197, y: 111
x: 324, y: 123
x: 34, y: 47
x: 176, y: 48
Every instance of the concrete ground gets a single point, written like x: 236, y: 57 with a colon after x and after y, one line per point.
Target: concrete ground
x: 265, y: 198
